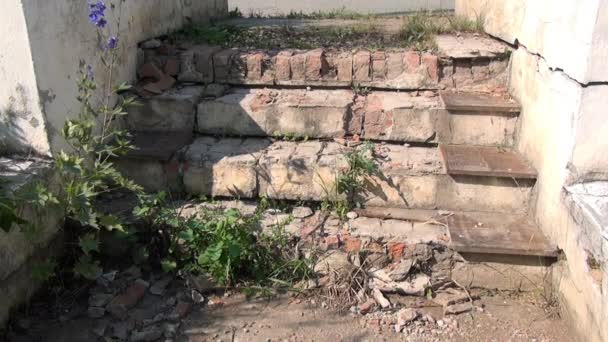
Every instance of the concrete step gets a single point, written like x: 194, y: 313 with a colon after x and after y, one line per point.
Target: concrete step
x: 477, y: 232
x: 460, y: 63
x: 413, y: 117
x: 480, y: 118
x: 485, y: 161
x: 479, y: 103
x: 409, y: 177
x: 460, y: 242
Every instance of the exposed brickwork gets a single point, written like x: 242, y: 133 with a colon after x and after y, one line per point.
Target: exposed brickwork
x: 403, y: 69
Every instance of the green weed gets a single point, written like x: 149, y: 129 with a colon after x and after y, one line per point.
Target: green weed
x: 350, y: 183
x: 227, y: 245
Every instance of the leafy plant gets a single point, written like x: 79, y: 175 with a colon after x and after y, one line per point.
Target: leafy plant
x: 464, y: 24
x: 225, y: 244
x: 419, y: 31
x: 86, y: 169
x: 350, y: 182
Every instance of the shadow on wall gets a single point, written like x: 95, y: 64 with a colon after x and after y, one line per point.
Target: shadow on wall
x: 16, y: 121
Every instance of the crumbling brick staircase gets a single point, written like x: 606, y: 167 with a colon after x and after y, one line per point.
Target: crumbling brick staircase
x: 444, y: 126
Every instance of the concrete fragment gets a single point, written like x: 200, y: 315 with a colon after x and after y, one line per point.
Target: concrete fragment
x: 301, y: 212
x: 380, y: 299
x: 405, y: 316
x: 159, y: 287
x: 401, y: 271
x: 333, y: 261
x: 455, y: 309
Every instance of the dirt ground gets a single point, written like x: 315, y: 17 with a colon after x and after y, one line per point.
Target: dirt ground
x: 498, y: 317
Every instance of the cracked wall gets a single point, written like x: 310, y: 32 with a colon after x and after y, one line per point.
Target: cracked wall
x: 44, y: 44
x: 557, y: 76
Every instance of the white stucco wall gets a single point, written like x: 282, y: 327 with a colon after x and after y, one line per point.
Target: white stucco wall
x: 570, y: 35
x: 559, y: 75
x: 61, y: 38
x: 22, y: 125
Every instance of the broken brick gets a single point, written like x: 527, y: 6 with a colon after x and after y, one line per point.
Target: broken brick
x: 432, y: 66
x: 361, y: 66
x: 149, y: 70
x: 172, y: 67
x: 395, y: 250
x: 128, y: 299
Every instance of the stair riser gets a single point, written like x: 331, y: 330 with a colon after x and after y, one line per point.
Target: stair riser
x: 325, y: 114
x: 251, y: 168
x: 400, y: 70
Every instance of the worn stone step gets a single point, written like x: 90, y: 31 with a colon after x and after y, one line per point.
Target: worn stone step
x: 481, y: 103
x: 485, y: 161
x: 323, y: 114
x: 521, y: 262
x: 409, y: 177
x: 477, y: 232
x: 459, y: 63
x: 379, y: 115
x: 480, y: 118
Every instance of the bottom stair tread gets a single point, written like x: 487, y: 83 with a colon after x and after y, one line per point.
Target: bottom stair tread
x: 493, y: 233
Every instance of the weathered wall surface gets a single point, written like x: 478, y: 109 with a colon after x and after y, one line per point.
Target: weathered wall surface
x: 273, y: 7
x: 563, y: 89
x: 59, y: 38
x: 22, y: 125
x: 545, y: 28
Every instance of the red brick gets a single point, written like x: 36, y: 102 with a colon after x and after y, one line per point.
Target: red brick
x: 128, y: 299
x: 344, y: 66
x: 166, y: 49
x: 314, y: 65
x: 395, y: 250
x: 394, y: 65
x: 411, y: 59
x: 254, y: 66
x: 282, y: 69
x: 172, y: 67
x: 361, y: 66
x: 149, y: 70
x: 432, y: 66
x: 352, y: 244
x: 182, y: 309
x: 297, y: 64
x: 378, y: 66
x: 221, y: 64
x: 311, y: 224
x: 355, y: 123
x: 331, y: 242
x: 367, y: 307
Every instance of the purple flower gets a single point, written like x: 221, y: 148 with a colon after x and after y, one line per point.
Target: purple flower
x: 97, y: 13
x: 89, y: 72
x: 112, y: 43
